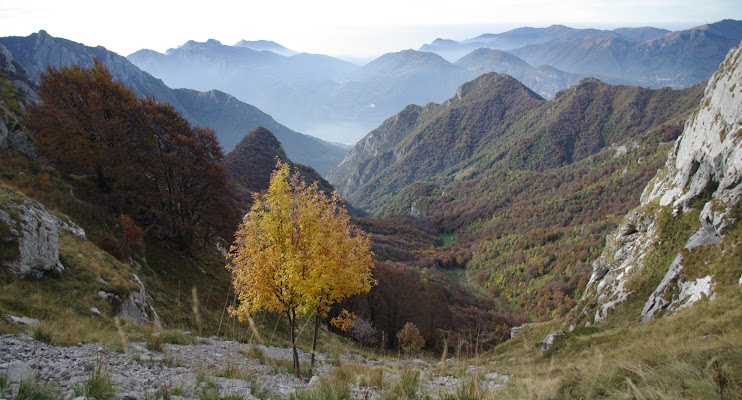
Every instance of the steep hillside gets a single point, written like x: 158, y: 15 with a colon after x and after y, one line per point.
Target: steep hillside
x: 230, y: 118
x: 665, y: 252
x: 528, y: 187
x: 253, y: 160
x: 486, y: 119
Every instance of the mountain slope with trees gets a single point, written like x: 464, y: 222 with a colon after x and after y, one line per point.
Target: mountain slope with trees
x: 529, y: 187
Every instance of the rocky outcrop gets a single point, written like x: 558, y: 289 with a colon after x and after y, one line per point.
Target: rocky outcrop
x: 704, y: 166
x: 551, y: 339
x: 22, y: 91
x: 137, y: 307
x: 31, y: 235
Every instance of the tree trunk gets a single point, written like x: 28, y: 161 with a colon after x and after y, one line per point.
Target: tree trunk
x: 314, y: 341
x: 292, y: 323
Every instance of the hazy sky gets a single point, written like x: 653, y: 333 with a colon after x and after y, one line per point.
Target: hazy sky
x: 336, y: 27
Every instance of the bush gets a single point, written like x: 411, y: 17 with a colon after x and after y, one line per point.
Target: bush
x: 410, y: 339
x: 363, y: 332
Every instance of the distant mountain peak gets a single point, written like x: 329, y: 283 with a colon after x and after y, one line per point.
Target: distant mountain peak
x: 266, y: 45
x: 248, y: 43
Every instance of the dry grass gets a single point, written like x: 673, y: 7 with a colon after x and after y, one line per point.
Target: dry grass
x: 669, y: 358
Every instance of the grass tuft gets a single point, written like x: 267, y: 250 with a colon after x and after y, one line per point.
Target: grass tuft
x: 32, y: 389
x: 100, y: 384
x: 326, y: 390
x: 406, y: 386
x: 43, y: 333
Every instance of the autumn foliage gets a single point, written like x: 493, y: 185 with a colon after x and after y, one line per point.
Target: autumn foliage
x: 144, y: 156
x: 410, y: 339
x: 297, y: 254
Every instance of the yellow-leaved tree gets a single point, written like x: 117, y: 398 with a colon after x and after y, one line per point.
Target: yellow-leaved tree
x: 297, y: 253
x: 338, y: 258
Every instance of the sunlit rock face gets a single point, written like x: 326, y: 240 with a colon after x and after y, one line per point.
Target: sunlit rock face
x: 705, y: 165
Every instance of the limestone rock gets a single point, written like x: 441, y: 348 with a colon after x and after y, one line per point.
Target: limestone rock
x: 708, y: 155
x: 136, y: 307
x: 19, y: 371
x: 551, y: 339
x: 706, y: 163
x: 622, y: 258
x: 676, y: 291
x: 20, y: 320
x: 36, y: 234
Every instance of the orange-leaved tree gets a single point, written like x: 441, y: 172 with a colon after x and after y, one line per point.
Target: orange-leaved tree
x: 86, y: 121
x: 295, y: 253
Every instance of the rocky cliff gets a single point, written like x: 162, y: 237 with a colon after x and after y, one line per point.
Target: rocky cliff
x: 694, y: 201
x: 17, y: 90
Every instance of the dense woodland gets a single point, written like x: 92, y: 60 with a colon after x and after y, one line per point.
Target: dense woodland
x: 529, y: 188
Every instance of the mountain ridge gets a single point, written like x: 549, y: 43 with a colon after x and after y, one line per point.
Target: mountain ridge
x: 37, y: 50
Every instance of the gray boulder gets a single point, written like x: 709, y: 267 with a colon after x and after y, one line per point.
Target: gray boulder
x: 19, y: 371
x: 137, y: 309
x: 12, y: 319
x: 34, y: 234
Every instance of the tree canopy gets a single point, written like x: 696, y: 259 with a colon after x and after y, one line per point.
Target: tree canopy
x: 297, y: 253
x: 139, y: 151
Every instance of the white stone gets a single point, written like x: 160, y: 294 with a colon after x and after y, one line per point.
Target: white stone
x: 551, y: 339
x: 20, y: 320
x: 657, y: 301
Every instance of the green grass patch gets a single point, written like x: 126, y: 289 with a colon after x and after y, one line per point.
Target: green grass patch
x: 448, y: 238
